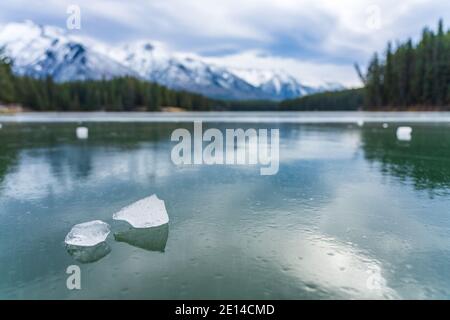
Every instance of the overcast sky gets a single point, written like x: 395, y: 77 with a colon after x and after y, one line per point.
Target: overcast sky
x: 315, y: 40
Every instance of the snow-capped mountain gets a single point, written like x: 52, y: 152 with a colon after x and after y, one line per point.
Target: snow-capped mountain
x: 276, y: 84
x: 329, y: 86
x: 40, y: 51
x: 183, y: 72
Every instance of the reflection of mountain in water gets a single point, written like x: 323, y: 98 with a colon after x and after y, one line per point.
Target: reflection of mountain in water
x: 425, y: 159
x: 89, y: 254
x: 152, y: 239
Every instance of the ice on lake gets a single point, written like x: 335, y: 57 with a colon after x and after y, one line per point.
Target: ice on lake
x: 404, y: 133
x: 145, y: 213
x: 88, y: 234
x: 82, y: 133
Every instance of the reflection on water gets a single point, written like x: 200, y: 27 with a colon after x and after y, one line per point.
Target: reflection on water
x: 352, y: 213
x: 151, y: 239
x: 331, y: 268
x: 89, y: 254
x: 425, y: 159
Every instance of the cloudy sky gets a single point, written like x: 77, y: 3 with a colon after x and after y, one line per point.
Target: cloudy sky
x: 315, y: 40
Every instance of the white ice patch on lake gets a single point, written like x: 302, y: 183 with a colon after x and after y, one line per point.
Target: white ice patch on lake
x: 88, y: 233
x: 82, y: 133
x: 145, y: 213
x: 404, y: 133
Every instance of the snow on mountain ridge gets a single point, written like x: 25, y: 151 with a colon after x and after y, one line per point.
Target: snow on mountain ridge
x: 257, y: 77
x: 183, y: 71
x: 279, y: 83
x: 40, y: 51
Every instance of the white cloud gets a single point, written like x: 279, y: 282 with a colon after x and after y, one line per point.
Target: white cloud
x: 314, y: 39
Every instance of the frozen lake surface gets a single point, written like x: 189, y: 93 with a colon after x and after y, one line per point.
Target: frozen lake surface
x: 352, y: 213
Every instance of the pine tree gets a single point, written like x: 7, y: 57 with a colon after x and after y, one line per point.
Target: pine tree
x: 412, y: 74
x: 374, y: 84
x: 7, y: 91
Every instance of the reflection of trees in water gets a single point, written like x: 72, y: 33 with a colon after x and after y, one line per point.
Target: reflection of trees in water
x: 57, y: 144
x: 8, y: 158
x: 61, y: 149
x: 425, y: 159
x: 78, y: 158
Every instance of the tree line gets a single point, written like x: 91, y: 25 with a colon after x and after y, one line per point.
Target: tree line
x: 411, y: 74
x: 117, y: 94
x: 342, y: 100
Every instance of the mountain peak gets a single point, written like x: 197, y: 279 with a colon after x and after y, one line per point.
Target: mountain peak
x: 40, y: 51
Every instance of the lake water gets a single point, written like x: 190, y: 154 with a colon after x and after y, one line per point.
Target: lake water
x: 352, y: 212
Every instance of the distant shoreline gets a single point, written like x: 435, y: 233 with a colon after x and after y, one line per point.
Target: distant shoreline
x: 13, y: 110
x: 356, y: 118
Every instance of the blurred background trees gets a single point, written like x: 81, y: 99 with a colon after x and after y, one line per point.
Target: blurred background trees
x: 411, y: 74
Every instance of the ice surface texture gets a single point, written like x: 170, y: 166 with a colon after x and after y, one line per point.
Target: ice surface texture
x: 145, y: 213
x: 88, y: 233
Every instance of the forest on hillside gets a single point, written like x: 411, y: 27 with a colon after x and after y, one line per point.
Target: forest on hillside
x: 118, y: 94
x: 342, y: 100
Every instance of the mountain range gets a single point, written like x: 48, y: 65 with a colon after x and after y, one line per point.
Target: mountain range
x: 41, y: 51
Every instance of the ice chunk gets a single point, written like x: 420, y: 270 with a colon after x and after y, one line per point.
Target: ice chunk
x: 82, y: 133
x: 88, y: 233
x: 145, y: 213
x: 89, y: 254
x: 151, y: 239
x: 404, y: 133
